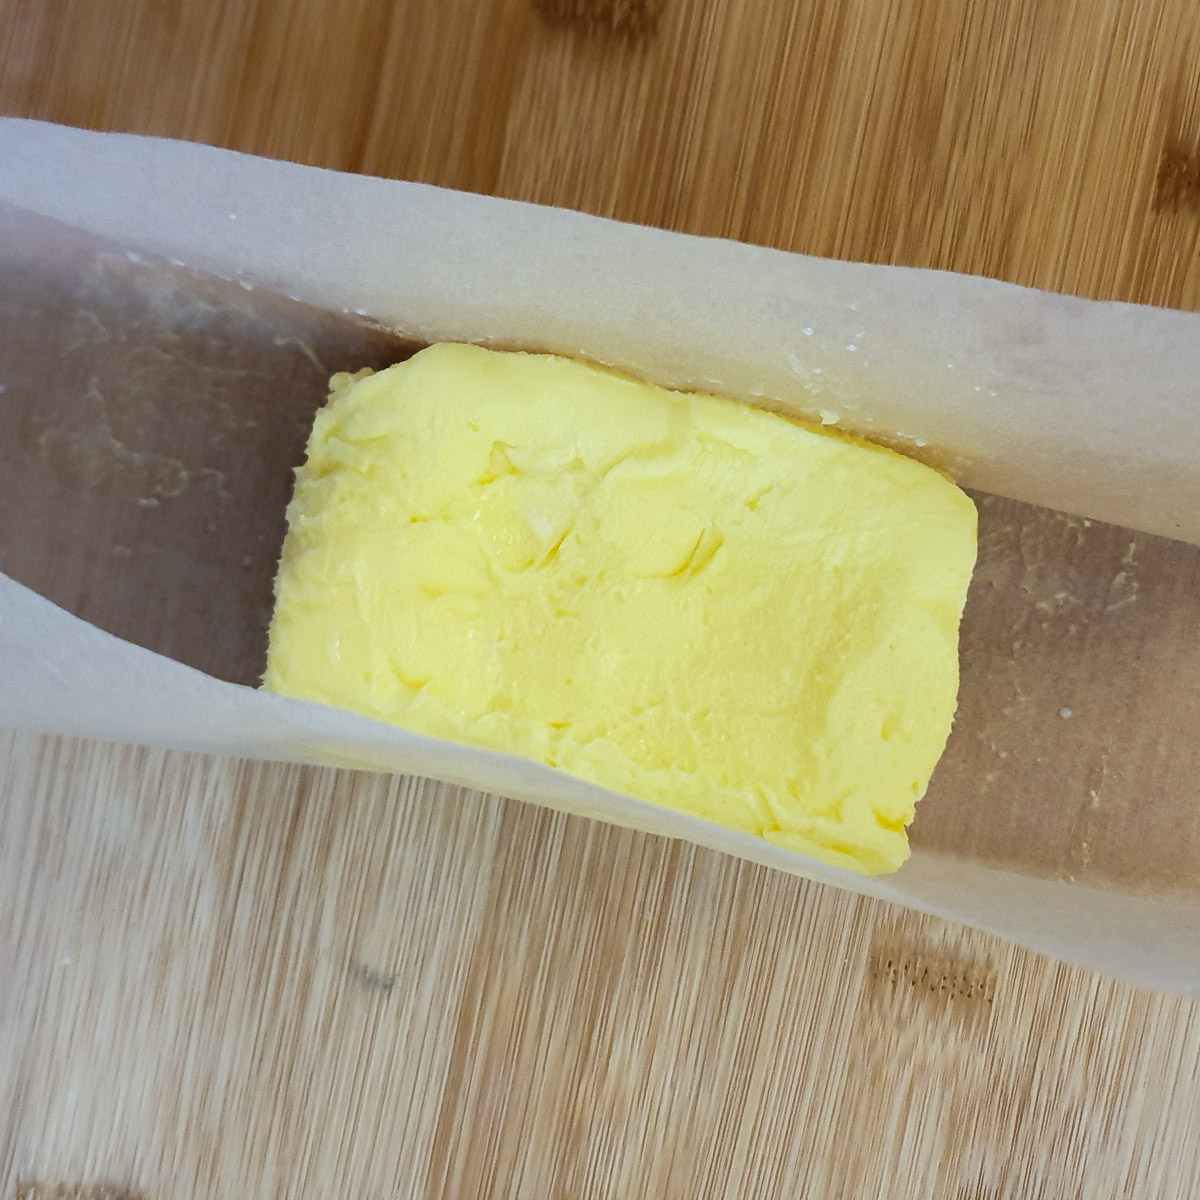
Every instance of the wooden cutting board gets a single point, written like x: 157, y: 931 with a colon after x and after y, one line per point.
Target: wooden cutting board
x: 225, y: 979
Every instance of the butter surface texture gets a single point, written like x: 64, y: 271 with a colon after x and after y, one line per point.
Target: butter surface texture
x: 694, y: 602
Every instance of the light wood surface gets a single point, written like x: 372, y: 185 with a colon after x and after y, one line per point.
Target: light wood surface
x: 227, y: 979
x: 222, y: 979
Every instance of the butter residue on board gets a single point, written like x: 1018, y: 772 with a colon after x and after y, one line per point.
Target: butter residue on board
x: 678, y: 597
x: 153, y: 418
x: 1075, y: 753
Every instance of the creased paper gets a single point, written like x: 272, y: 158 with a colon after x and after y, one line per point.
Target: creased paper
x: 1085, y: 407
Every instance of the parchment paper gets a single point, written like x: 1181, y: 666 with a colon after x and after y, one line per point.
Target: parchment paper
x: 1085, y: 407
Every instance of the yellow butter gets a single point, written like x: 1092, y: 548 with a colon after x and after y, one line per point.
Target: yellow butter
x: 697, y: 603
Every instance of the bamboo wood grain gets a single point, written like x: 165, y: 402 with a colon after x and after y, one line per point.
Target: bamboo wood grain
x: 223, y: 979
x: 226, y: 979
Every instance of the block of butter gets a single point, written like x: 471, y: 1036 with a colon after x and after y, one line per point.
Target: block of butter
x: 697, y: 603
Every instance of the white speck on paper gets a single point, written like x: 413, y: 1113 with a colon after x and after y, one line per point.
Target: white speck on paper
x: 816, y: 370
x: 978, y: 388
x: 3, y: 388
x: 829, y: 417
x: 246, y: 285
x: 233, y: 216
x: 851, y: 347
x: 1066, y: 713
x: 66, y: 960
x: 360, y: 312
x: 176, y: 262
x: 807, y: 331
x: 795, y: 362
x: 133, y: 256
x: 920, y: 442
x: 949, y: 366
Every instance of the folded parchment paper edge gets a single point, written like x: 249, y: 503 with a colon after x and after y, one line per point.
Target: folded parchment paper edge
x: 1088, y: 407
